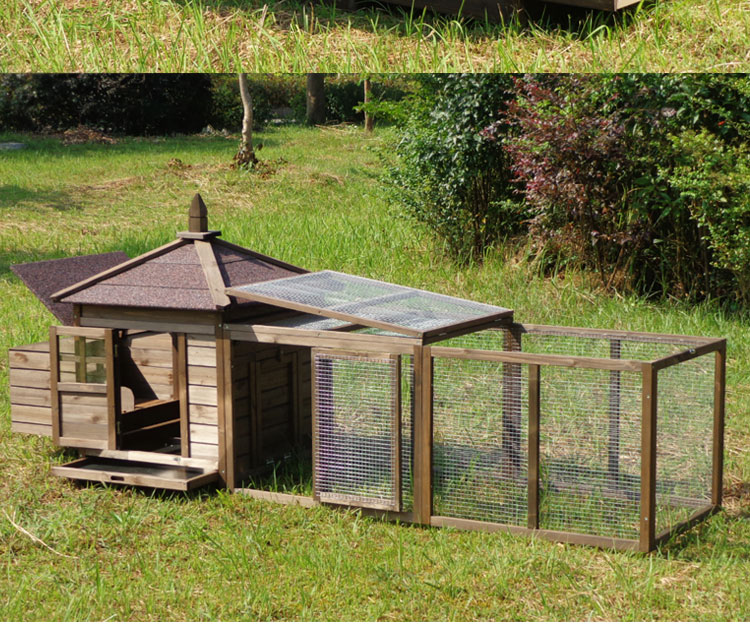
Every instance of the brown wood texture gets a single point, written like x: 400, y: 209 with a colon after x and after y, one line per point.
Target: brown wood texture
x: 534, y: 425
x: 52, y: 378
x: 212, y: 272
x: 422, y: 434
x: 538, y: 359
x: 113, y: 387
x: 30, y: 394
x: 648, y: 459
x: 182, y: 378
x: 720, y: 365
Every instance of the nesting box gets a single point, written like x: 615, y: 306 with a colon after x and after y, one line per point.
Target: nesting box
x: 205, y: 362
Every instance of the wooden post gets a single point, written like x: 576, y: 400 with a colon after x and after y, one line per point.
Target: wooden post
x: 534, y: 423
x: 198, y: 216
x: 225, y: 408
x: 718, y: 430
x: 422, y: 435
x: 54, y: 372
x: 369, y: 119
x: 613, y: 449
x: 113, y: 388
x: 181, y: 374
x: 649, y: 391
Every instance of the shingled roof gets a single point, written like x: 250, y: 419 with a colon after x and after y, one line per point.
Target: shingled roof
x: 190, y: 273
x: 44, y: 277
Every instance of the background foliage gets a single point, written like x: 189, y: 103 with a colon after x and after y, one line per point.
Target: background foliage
x: 641, y: 178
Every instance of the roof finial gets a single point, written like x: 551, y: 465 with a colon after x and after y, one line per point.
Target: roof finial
x: 198, y: 220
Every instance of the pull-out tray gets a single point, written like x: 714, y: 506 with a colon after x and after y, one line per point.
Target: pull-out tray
x: 140, y: 469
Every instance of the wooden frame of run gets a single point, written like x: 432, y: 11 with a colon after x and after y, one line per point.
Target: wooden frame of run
x: 422, y: 512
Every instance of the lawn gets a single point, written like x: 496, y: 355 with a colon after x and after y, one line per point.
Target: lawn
x: 299, y: 36
x: 128, y: 554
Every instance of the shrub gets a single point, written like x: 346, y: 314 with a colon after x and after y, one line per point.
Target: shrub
x: 134, y: 104
x: 448, y: 175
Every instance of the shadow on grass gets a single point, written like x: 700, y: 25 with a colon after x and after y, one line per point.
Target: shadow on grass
x: 11, y: 195
x: 537, y: 17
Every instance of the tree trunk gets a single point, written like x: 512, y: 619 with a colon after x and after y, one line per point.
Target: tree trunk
x: 369, y: 119
x: 316, y: 99
x: 246, y: 155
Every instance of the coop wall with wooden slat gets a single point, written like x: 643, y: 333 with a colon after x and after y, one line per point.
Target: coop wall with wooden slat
x: 146, y: 365
x: 30, y: 398
x: 203, y: 412
x: 271, y: 403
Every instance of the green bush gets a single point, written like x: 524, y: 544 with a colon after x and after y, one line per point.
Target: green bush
x: 449, y: 175
x: 135, y: 104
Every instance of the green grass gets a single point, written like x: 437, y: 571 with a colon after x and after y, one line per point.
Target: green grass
x: 297, y: 36
x: 134, y: 554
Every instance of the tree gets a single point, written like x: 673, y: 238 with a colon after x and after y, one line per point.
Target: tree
x: 316, y: 99
x: 245, y: 157
x: 369, y: 119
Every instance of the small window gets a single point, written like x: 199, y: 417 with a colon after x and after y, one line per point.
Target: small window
x: 82, y: 360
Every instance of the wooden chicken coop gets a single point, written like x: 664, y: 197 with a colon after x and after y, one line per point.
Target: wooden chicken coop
x: 205, y: 362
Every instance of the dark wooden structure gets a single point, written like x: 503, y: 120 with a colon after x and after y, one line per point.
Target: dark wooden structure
x: 202, y: 361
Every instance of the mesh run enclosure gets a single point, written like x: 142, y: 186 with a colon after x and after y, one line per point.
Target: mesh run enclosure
x: 480, y: 456
x: 357, y: 432
x: 598, y: 437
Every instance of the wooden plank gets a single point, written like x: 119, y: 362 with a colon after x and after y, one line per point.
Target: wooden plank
x: 149, y: 340
x: 648, y: 459
x: 202, y: 340
x: 697, y: 517
x: 602, y: 542
x: 538, y: 359
x: 113, y: 387
x: 200, y: 433
x: 467, y: 327
x: 52, y: 381
x: 31, y: 428
x: 533, y: 464
x: 155, y: 326
x: 204, y: 450
x: 202, y: 376
x: 322, y: 341
x: 183, y: 376
x: 78, y: 388
x: 33, y: 347
x: 154, y: 457
x: 294, y: 336
x: 28, y: 359
x: 280, y: 498
x: 22, y: 395
x: 689, y: 354
x: 718, y: 425
x: 331, y: 314
x: 77, y: 331
x: 95, y: 433
x: 30, y: 378
x: 423, y: 434
x: 212, y: 272
x: 202, y: 356
x: 206, y: 395
x: 31, y: 414
x: 151, y: 357
x: 648, y: 337
x: 203, y: 414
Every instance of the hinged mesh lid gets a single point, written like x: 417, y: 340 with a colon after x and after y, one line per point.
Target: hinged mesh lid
x: 369, y: 302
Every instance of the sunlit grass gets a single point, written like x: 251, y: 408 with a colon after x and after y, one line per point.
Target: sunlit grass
x: 130, y: 554
x: 295, y: 36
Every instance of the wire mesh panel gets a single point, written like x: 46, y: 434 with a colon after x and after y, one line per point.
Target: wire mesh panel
x: 590, y: 451
x: 480, y: 457
x: 407, y: 433
x: 366, y: 299
x: 684, y: 438
x: 357, y: 422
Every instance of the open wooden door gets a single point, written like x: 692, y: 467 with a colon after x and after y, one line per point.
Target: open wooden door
x: 84, y: 387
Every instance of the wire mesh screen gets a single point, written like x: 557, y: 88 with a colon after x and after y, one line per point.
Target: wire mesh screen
x: 558, y: 342
x: 480, y: 434
x: 372, y: 300
x: 590, y: 451
x: 684, y: 436
x: 357, y: 422
x: 407, y: 430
